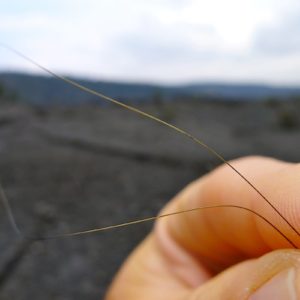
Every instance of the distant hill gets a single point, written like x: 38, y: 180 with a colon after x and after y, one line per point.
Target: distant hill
x: 46, y: 90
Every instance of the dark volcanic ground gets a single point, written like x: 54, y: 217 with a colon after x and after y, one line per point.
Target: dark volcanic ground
x: 69, y: 169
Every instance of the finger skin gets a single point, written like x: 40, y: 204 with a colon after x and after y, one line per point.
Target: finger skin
x: 183, y: 253
x: 244, y: 279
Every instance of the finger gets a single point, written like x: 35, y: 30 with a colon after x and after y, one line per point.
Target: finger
x: 224, y: 236
x: 147, y: 275
x: 273, y: 276
x: 184, y: 251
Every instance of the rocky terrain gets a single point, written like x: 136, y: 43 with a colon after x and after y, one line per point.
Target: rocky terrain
x: 66, y: 169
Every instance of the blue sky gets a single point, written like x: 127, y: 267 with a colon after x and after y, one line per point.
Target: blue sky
x: 164, y: 41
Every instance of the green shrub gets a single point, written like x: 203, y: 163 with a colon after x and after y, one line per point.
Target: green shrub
x: 287, y: 119
x: 2, y: 90
x: 272, y: 102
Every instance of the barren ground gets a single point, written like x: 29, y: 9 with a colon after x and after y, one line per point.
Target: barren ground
x: 74, y: 168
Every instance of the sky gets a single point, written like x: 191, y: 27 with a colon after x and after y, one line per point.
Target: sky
x: 157, y: 41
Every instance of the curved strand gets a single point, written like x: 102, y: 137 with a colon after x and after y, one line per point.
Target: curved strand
x: 149, y: 116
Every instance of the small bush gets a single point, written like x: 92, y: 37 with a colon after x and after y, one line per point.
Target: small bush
x: 272, y: 102
x: 7, y: 95
x: 2, y: 90
x: 287, y: 119
x: 167, y: 113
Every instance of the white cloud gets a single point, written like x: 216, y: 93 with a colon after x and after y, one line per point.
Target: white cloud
x: 159, y: 40
x: 281, y: 38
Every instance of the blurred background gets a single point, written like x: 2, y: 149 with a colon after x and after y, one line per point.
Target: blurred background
x: 228, y: 72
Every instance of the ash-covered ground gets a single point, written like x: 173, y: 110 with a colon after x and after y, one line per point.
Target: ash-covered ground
x: 66, y: 169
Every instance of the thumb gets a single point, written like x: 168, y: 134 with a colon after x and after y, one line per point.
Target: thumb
x: 273, y: 276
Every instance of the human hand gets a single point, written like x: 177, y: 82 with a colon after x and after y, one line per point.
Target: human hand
x: 221, y: 253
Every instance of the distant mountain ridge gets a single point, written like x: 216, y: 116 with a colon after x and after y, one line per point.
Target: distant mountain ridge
x: 44, y: 90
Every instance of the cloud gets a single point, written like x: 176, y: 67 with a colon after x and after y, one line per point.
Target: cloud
x: 159, y: 40
x: 160, y: 43
x: 282, y: 38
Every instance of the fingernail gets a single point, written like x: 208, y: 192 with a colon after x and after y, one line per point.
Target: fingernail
x: 281, y: 286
